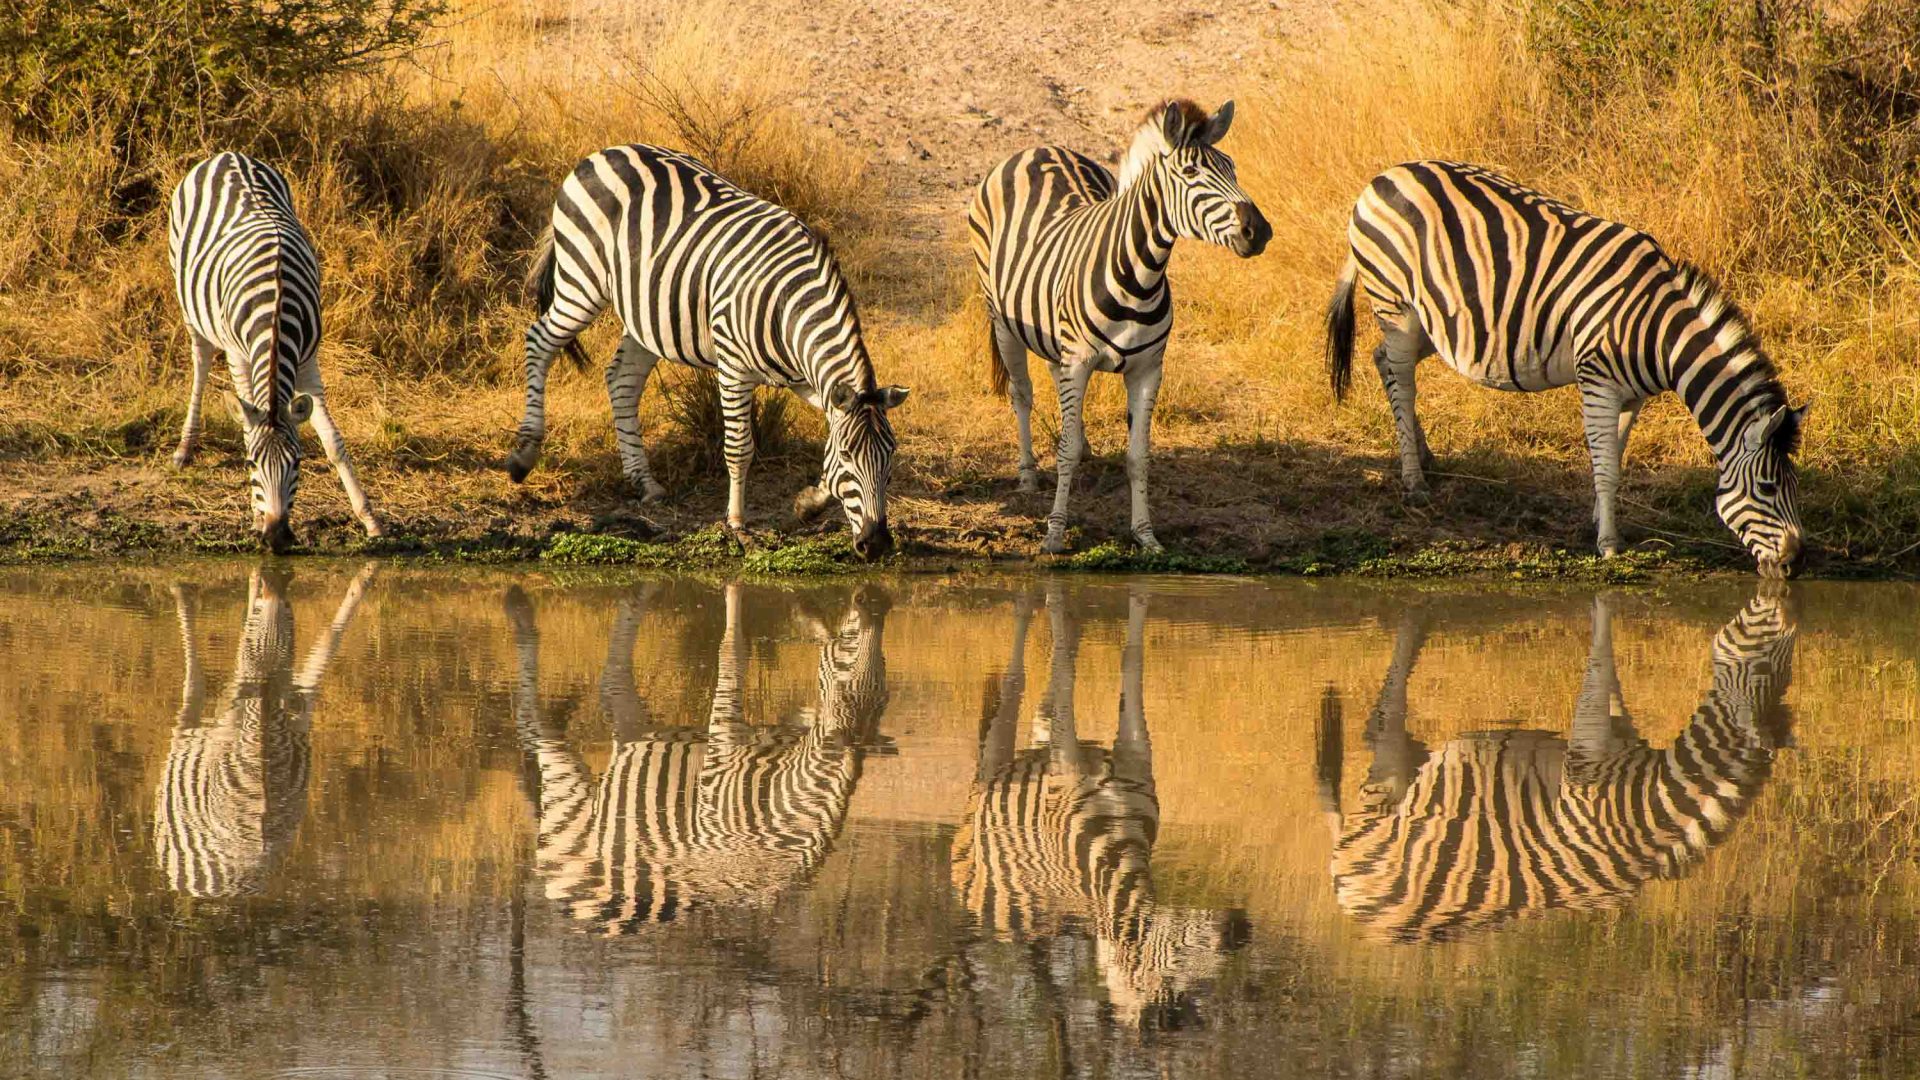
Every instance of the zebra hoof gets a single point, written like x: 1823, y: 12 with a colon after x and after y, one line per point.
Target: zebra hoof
x: 375, y: 530
x: 517, y: 470
x: 650, y: 491
x: 1055, y: 543
x: 1029, y: 481
x: 1147, y: 544
x: 183, y: 457
x: 1418, y: 496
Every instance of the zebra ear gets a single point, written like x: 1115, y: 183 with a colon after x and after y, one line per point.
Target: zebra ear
x: 1761, y: 432
x: 1173, y: 125
x: 300, y: 408
x: 890, y: 397
x: 1217, y: 124
x: 245, y: 413
x: 842, y: 397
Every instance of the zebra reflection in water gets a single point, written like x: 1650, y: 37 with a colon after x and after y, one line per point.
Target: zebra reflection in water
x: 1059, y: 836
x: 726, y: 813
x: 235, y: 787
x: 1503, y: 825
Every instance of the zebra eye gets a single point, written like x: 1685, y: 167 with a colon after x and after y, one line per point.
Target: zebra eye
x: 1190, y: 171
x: 1767, y: 488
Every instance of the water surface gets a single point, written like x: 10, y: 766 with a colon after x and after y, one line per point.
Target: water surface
x: 331, y: 820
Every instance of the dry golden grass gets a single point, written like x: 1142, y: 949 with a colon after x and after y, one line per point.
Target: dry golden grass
x: 424, y: 187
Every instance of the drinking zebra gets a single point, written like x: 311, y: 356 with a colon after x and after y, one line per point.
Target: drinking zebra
x: 1061, y: 834
x: 705, y: 274
x: 1073, y: 267
x: 726, y: 814
x: 235, y: 787
x: 1517, y: 291
x: 1504, y: 825
x: 248, y: 282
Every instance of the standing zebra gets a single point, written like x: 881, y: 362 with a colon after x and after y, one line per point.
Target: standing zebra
x: 726, y: 814
x: 1074, y: 267
x: 235, y: 788
x: 1063, y: 832
x: 1508, y: 824
x: 249, y: 288
x: 706, y: 274
x: 1517, y: 291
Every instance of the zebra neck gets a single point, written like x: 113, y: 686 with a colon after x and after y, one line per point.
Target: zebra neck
x: 1139, y: 236
x: 1718, y: 372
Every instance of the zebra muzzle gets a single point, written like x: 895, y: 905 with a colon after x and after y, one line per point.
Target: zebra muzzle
x: 874, y: 542
x: 277, y: 535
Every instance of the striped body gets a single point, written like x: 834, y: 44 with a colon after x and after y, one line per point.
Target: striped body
x: 1059, y: 837
x: 1072, y: 265
x: 705, y: 274
x: 729, y: 815
x: 235, y: 787
x: 1506, y: 825
x: 248, y: 282
x: 1518, y: 291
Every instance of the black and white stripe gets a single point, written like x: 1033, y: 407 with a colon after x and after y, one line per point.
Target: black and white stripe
x: 703, y: 273
x: 248, y: 282
x: 1061, y: 834
x: 1517, y: 291
x: 235, y: 787
x: 728, y: 814
x: 1073, y: 267
x: 1503, y: 825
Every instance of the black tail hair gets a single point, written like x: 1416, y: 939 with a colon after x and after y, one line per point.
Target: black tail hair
x: 1340, y: 332
x: 539, y: 290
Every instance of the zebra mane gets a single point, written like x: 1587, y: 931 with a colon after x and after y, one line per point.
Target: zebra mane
x: 1741, y: 346
x: 1150, y: 139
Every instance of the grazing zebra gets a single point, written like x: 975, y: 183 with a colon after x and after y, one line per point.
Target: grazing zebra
x: 1519, y: 292
x: 727, y: 814
x: 1061, y: 834
x: 1504, y: 825
x: 235, y: 788
x: 1074, y: 267
x: 703, y: 273
x: 249, y: 288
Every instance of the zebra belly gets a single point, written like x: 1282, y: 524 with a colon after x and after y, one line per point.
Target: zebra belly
x: 1527, y: 373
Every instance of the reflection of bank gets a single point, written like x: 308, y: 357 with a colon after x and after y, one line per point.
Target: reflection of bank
x: 1500, y: 825
x: 726, y: 813
x: 235, y: 786
x: 1060, y: 835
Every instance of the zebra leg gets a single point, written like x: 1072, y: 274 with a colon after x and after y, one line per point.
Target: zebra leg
x: 1013, y: 357
x: 1143, y: 388
x: 1601, y: 726
x: 314, y: 667
x: 1071, y: 381
x: 193, y: 684
x: 1132, y: 749
x: 1604, y: 418
x: 626, y: 382
x: 550, y: 333
x: 1397, y: 755
x: 998, y: 728
x: 736, y: 415
x: 203, y: 353
x: 1055, y: 724
x: 308, y: 381
x: 1397, y: 375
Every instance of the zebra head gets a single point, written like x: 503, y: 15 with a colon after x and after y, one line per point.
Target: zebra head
x: 1165, y: 960
x: 1758, y: 496
x: 1200, y: 197
x: 859, y: 461
x: 273, y: 464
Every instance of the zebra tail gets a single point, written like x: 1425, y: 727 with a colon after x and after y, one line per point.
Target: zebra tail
x: 1340, y: 332
x: 996, y: 368
x: 540, y: 286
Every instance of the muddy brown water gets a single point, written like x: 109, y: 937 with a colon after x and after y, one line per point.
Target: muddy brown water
x: 330, y: 820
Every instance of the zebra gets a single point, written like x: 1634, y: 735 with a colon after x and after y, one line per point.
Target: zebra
x: 1061, y: 834
x: 703, y: 273
x: 723, y: 815
x: 1518, y: 291
x: 235, y: 788
x: 1498, y: 826
x: 1073, y: 267
x: 248, y: 282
